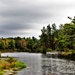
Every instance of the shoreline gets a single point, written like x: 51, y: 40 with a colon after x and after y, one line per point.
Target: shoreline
x: 10, y: 66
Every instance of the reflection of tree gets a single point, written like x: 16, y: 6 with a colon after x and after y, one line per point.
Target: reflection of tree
x: 46, y: 66
x: 55, y: 66
x: 49, y: 66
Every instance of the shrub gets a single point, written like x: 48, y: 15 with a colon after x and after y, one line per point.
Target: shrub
x: 11, y: 59
x: 6, y: 65
x: 49, y: 50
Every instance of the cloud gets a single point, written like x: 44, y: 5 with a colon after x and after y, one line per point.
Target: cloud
x: 27, y: 17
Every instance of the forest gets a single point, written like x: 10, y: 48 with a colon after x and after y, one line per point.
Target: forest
x: 50, y: 39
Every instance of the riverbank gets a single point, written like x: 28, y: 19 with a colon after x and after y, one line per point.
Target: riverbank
x: 67, y: 55
x: 40, y: 64
x: 63, y: 55
x: 10, y: 65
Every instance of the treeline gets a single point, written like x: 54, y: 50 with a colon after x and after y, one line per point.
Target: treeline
x: 19, y: 44
x: 51, y: 39
x: 62, y: 39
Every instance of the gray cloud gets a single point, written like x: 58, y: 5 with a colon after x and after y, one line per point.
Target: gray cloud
x: 16, y: 26
x: 19, y: 17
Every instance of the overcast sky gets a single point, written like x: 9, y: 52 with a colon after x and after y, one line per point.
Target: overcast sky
x: 25, y: 18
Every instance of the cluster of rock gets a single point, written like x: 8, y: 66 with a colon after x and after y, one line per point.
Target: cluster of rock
x: 10, y: 72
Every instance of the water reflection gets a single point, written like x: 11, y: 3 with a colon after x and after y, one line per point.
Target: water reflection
x: 55, y: 66
x: 39, y: 64
x: 32, y: 60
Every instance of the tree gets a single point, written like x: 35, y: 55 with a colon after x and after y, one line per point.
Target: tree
x: 23, y: 43
x: 43, y: 37
x: 7, y: 43
x: 67, y: 35
x: 48, y: 36
x: 17, y: 43
x: 69, y: 31
x: 54, y: 35
x: 30, y: 44
x: 12, y: 44
x: 43, y: 40
x: 3, y: 45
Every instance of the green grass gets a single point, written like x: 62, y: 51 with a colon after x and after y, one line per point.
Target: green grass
x: 10, y: 63
x: 1, y: 73
x: 20, y: 65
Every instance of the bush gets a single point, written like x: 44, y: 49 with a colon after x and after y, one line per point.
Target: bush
x: 49, y: 50
x: 10, y: 59
x: 6, y: 65
x: 0, y: 68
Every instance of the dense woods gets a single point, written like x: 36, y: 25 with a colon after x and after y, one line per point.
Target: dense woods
x: 51, y: 39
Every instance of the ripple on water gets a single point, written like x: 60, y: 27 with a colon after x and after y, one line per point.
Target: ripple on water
x: 41, y: 65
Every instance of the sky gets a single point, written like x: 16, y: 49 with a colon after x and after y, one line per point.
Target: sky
x: 26, y: 18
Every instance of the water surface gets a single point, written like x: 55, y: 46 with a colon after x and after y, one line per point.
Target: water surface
x: 38, y: 64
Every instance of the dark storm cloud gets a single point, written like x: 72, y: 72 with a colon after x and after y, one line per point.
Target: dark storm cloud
x: 16, y: 26
x: 19, y: 17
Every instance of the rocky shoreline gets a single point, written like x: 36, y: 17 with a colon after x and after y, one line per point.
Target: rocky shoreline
x: 10, y: 72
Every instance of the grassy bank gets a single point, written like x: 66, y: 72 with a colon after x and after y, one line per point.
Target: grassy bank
x: 68, y: 55
x: 10, y: 64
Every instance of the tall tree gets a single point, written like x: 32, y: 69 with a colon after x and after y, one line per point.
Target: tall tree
x: 43, y: 37
x: 3, y: 45
x: 23, y: 43
x: 48, y: 36
x: 12, y: 44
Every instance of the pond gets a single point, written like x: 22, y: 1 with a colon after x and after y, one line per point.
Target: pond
x: 39, y: 64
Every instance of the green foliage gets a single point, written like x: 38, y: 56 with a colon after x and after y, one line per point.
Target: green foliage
x: 49, y: 50
x: 2, y: 44
x: 12, y: 44
x: 48, y: 37
x: 62, y: 39
x: 10, y: 63
x: 51, y: 38
x: 1, y: 73
x: 20, y: 65
x: 68, y: 55
x: 11, y: 59
x: 1, y: 69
